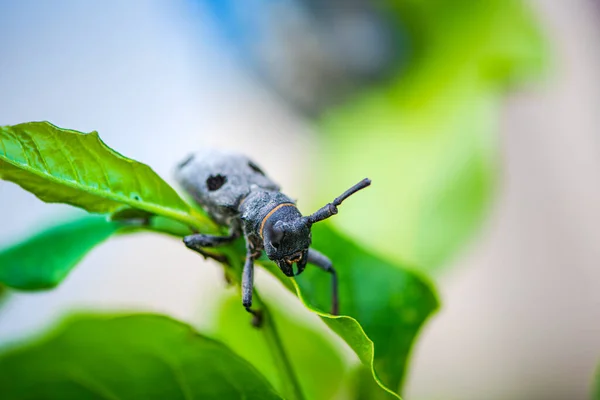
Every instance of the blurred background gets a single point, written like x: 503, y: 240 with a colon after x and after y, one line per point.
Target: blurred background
x: 478, y: 124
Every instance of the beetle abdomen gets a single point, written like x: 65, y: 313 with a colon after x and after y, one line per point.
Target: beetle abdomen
x: 220, y: 180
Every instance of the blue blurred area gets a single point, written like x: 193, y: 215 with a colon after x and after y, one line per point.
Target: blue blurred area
x: 233, y: 27
x: 314, y: 54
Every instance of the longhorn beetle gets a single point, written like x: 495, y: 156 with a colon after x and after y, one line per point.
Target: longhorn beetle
x: 236, y: 193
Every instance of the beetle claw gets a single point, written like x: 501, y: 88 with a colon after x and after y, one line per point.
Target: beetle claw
x: 257, y: 317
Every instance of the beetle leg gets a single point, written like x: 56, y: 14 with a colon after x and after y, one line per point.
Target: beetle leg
x: 322, y: 261
x: 199, y: 240
x: 248, y: 286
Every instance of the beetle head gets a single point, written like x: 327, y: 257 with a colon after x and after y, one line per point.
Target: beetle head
x: 286, y: 233
x: 286, y: 243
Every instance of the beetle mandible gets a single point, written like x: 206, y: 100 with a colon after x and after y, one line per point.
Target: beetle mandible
x: 237, y: 194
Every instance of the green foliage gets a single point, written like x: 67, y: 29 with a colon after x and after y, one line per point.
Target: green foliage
x: 303, y: 343
x: 66, y: 166
x: 128, y: 357
x: 3, y: 294
x: 43, y: 261
x: 383, y: 305
x: 431, y: 133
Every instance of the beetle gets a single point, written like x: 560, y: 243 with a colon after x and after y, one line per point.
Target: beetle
x: 236, y: 193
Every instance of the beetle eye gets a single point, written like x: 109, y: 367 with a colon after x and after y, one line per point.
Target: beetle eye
x: 275, y: 234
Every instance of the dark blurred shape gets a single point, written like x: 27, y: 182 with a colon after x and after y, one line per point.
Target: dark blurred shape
x: 314, y: 53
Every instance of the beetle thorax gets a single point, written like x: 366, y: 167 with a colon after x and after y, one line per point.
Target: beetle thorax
x: 272, y: 219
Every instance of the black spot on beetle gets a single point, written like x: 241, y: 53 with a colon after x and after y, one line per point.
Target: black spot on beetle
x: 255, y: 168
x: 215, y: 182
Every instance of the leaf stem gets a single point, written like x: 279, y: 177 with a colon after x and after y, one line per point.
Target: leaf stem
x: 286, y: 371
x: 194, y: 220
x: 292, y: 388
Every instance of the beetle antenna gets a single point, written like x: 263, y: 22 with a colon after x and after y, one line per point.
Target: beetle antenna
x: 330, y: 209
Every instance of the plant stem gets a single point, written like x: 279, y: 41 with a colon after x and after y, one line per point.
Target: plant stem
x: 290, y: 380
x: 195, y: 220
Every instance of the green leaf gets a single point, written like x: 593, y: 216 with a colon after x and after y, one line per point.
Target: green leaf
x: 129, y: 357
x: 3, y: 295
x: 44, y: 260
x: 317, y: 364
x: 65, y: 166
x: 431, y: 134
x: 382, y: 305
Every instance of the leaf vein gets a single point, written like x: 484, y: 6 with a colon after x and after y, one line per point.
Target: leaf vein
x: 154, y: 208
x: 37, y: 149
x: 92, y: 386
x: 178, y: 375
x: 23, y: 150
x: 69, y: 161
x: 2, y: 143
x: 96, y: 159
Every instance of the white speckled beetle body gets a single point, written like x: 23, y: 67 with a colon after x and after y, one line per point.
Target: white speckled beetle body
x: 236, y: 193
